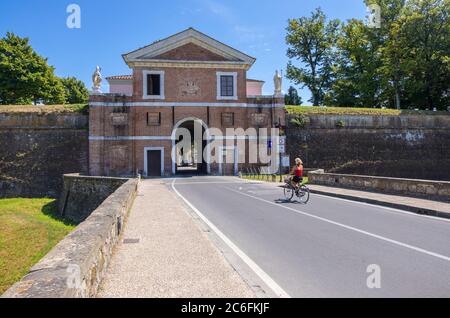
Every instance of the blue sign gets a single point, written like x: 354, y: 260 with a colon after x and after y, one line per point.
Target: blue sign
x: 269, y: 144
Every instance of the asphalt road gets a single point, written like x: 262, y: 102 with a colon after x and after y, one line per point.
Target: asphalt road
x: 329, y: 247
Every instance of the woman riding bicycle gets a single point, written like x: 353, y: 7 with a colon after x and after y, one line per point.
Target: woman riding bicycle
x: 297, y: 172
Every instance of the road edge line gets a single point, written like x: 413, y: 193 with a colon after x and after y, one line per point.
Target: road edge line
x: 277, y: 289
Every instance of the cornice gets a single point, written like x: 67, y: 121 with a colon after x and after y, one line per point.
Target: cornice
x: 187, y: 64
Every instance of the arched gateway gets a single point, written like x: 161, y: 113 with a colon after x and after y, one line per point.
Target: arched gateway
x: 182, y: 82
x: 190, y: 159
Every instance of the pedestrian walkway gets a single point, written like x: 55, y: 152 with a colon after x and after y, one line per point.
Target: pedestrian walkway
x: 422, y: 206
x: 164, y: 253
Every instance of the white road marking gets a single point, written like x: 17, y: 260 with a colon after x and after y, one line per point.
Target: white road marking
x: 370, y: 204
x: 258, y: 270
x: 384, y: 208
x: 206, y: 182
x: 418, y: 249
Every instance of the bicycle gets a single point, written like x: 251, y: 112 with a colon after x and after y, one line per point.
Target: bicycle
x: 302, y: 192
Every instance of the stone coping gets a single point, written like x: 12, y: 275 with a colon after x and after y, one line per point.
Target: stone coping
x: 35, y: 120
x: 429, y: 189
x: 394, y: 122
x: 75, y: 267
x: 82, y: 176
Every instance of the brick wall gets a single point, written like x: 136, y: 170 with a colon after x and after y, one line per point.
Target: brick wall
x: 392, y: 146
x: 37, y: 149
x: 191, y: 52
x: 176, y: 78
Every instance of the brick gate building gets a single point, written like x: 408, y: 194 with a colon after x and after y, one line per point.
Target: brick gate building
x: 183, y: 81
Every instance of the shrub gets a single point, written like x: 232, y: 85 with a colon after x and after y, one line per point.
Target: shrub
x: 301, y: 121
x: 340, y: 124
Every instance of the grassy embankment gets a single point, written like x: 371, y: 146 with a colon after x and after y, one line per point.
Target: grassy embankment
x: 314, y: 110
x: 29, y: 228
x: 269, y: 178
x: 47, y: 109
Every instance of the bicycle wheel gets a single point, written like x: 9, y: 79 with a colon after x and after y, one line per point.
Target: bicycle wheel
x: 303, y: 195
x: 288, y: 192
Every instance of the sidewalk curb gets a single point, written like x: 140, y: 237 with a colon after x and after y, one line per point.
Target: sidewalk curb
x: 409, y: 208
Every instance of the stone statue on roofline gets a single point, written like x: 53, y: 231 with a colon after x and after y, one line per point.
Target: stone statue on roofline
x: 97, y: 80
x: 278, y: 82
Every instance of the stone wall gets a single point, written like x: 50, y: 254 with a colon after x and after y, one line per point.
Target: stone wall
x: 76, y: 266
x: 37, y: 149
x: 403, y: 146
x: 83, y: 194
x: 433, y: 190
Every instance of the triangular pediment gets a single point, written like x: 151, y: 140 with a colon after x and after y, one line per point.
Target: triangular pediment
x: 189, y: 45
x: 191, y: 52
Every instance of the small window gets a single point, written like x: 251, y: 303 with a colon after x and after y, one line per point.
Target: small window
x: 227, y: 119
x: 153, y: 84
x: 226, y: 86
x: 153, y: 119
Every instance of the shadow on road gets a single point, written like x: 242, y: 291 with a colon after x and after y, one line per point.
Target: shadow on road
x: 284, y: 201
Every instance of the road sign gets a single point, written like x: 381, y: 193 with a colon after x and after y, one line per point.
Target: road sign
x: 282, y: 148
x: 285, y: 161
x: 282, y: 140
x: 269, y: 144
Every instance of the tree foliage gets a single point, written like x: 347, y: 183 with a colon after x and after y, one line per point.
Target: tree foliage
x: 403, y: 64
x: 25, y: 76
x: 311, y: 40
x: 292, y: 97
x: 420, y: 50
x: 75, y: 91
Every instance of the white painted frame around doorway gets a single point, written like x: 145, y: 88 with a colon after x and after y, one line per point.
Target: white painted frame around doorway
x: 146, y: 150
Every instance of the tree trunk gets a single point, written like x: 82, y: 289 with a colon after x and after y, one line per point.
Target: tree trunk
x: 316, y: 99
x: 429, y: 98
x: 397, y: 96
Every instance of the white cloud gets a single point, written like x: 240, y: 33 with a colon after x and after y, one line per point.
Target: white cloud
x: 219, y: 9
x: 254, y: 37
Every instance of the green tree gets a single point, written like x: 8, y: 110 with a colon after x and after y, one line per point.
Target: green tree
x: 311, y: 41
x: 362, y: 77
x: 391, y: 77
x: 24, y: 75
x: 419, y: 53
x: 75, y: 91
x: 357, y: 81
x: 292, y: 97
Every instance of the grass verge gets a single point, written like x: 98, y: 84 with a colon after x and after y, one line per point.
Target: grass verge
x: 314, y: 110
x: 47, y: 109
x: 270, y: 178
x: 29, y: 229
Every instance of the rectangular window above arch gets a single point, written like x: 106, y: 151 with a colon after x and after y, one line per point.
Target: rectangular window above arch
x: 153, y: 85
x: 227, y: 85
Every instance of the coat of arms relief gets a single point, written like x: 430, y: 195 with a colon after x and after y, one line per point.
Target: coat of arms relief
x: 189, y: 88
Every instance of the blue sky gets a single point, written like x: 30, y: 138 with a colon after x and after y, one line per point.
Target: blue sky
x: 110, y: 28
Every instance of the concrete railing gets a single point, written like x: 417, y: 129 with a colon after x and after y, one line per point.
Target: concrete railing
x: 435, y: 190
x: 76, y: 266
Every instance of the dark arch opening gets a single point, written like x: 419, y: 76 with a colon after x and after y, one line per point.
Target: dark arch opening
x: 190, y: 161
